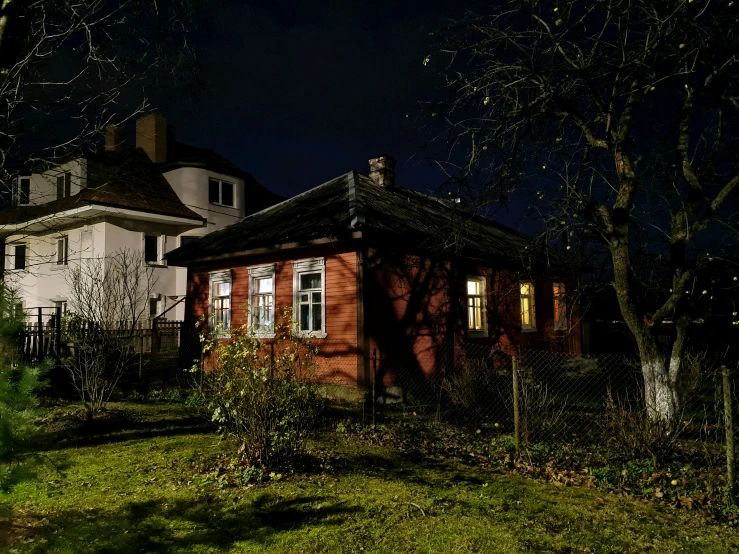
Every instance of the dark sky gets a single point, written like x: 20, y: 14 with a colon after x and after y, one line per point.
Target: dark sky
x: 299, y: 92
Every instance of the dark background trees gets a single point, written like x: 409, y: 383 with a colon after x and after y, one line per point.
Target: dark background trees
x: 68, y: 67
x: 620, y: 120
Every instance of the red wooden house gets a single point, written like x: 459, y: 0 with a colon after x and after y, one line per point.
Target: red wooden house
x: 371, y: 267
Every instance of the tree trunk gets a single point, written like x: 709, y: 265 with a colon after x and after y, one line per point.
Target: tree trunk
x: 660, y: 372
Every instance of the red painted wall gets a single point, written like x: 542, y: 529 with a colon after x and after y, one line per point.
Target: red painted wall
x: 337, y: 358
x: 412, y: 305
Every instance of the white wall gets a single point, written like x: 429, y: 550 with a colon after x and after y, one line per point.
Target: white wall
x: 43, y: 185
x: 43, y: 282
x: 191, y: 185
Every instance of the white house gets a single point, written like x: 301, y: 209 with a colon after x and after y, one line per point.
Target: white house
x: 151, y: 197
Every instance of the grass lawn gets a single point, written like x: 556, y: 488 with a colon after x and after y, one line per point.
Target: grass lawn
x: 142, y: 485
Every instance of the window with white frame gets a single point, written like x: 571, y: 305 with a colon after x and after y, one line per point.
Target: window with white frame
x: 476, y: 305
x: 220, y: 302
x: 528, y: 308
x: 17, y: 258
x: 62, y: 305
x: 23, y: 191
x: 560, y: 306
x: 154, y: 249
x: 64, y: 185
x: 221, y: 192
x: 262, y: 300
x: 62, y: 251
x: 309, y: 284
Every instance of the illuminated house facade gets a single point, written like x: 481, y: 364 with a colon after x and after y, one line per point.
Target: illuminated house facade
x: 367, y: 266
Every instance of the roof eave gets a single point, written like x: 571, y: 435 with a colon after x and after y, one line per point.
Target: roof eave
x: 188, y: 261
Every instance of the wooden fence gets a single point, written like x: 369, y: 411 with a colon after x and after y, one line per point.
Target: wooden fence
x: 43, y: 336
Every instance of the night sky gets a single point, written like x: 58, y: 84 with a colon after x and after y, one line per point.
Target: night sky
x: 297, y: 93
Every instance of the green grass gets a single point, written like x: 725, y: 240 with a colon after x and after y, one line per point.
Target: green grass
x: 144, y: 486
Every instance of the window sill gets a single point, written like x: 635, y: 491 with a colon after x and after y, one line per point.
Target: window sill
x: 57, y: 267
x: 529, y: 329
x: 477, y: 335
x: 222, y: 205
x: 263, y: 335
x: 312, y: 334
x: 156, y: 264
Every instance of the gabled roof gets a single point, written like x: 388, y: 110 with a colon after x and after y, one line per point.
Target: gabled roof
x: 353, y: 202
x: 126, y: 179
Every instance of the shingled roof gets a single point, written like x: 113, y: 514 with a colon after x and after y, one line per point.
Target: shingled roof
x: 125, y: 179
x: 354, y: 202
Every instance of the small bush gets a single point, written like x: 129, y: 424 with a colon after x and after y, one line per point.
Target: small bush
x: 632, y: 435
x: 263, y: 394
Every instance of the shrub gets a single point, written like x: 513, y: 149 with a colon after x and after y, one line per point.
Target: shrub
x: 263, y: 393
x: 631, y: 434
x: 18, y: 385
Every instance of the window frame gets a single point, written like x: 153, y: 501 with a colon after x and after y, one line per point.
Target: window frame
x: 482, y: 332
x: 255, y: 274
x: 187, y: 239
x: 14, y: 256
x: 154, y: 300
x: 312, y: 265
x: 531, y: 326
x: 215, y: 278
x: 160, y: 242
x: 65, y: 259
x: 19, y: 196
x: 220, y: 192
x: 559, y: 301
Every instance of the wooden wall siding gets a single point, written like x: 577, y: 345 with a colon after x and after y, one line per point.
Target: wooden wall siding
x: 337, y: 360
x: 414, y: 304
x: 408, y: 315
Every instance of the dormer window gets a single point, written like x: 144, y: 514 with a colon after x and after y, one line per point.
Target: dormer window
x: 221, y: 192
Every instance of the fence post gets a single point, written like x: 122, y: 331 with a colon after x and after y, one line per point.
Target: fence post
x: 40, y: 343
x: 729, y: 427
x: 374, y: 385
x: 516, y: 414
x: 58, y: 337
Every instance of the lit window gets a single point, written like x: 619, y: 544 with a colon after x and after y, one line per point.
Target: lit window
x: 528, y: 312
x: 476, y: 306
x: 62, y: 250
x: 560, y: 306
x: 220, y: 301
x: 23, y: 191
x: 262, y: 301
x: 154, y: 249
x: 18, y: 256
x: 220, y: 192
x: 309, y: 284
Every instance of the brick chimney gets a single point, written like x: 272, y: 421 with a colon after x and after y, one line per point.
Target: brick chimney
x: 151, y: 136
x: 382, y: 170
x: 115, y: 137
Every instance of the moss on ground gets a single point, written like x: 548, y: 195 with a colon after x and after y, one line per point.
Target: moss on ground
x: 143, y: 480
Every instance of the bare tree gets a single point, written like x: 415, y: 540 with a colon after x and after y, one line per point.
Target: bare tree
x: 68, y: 67
x: 621, y: 118
x: 109, y: 297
